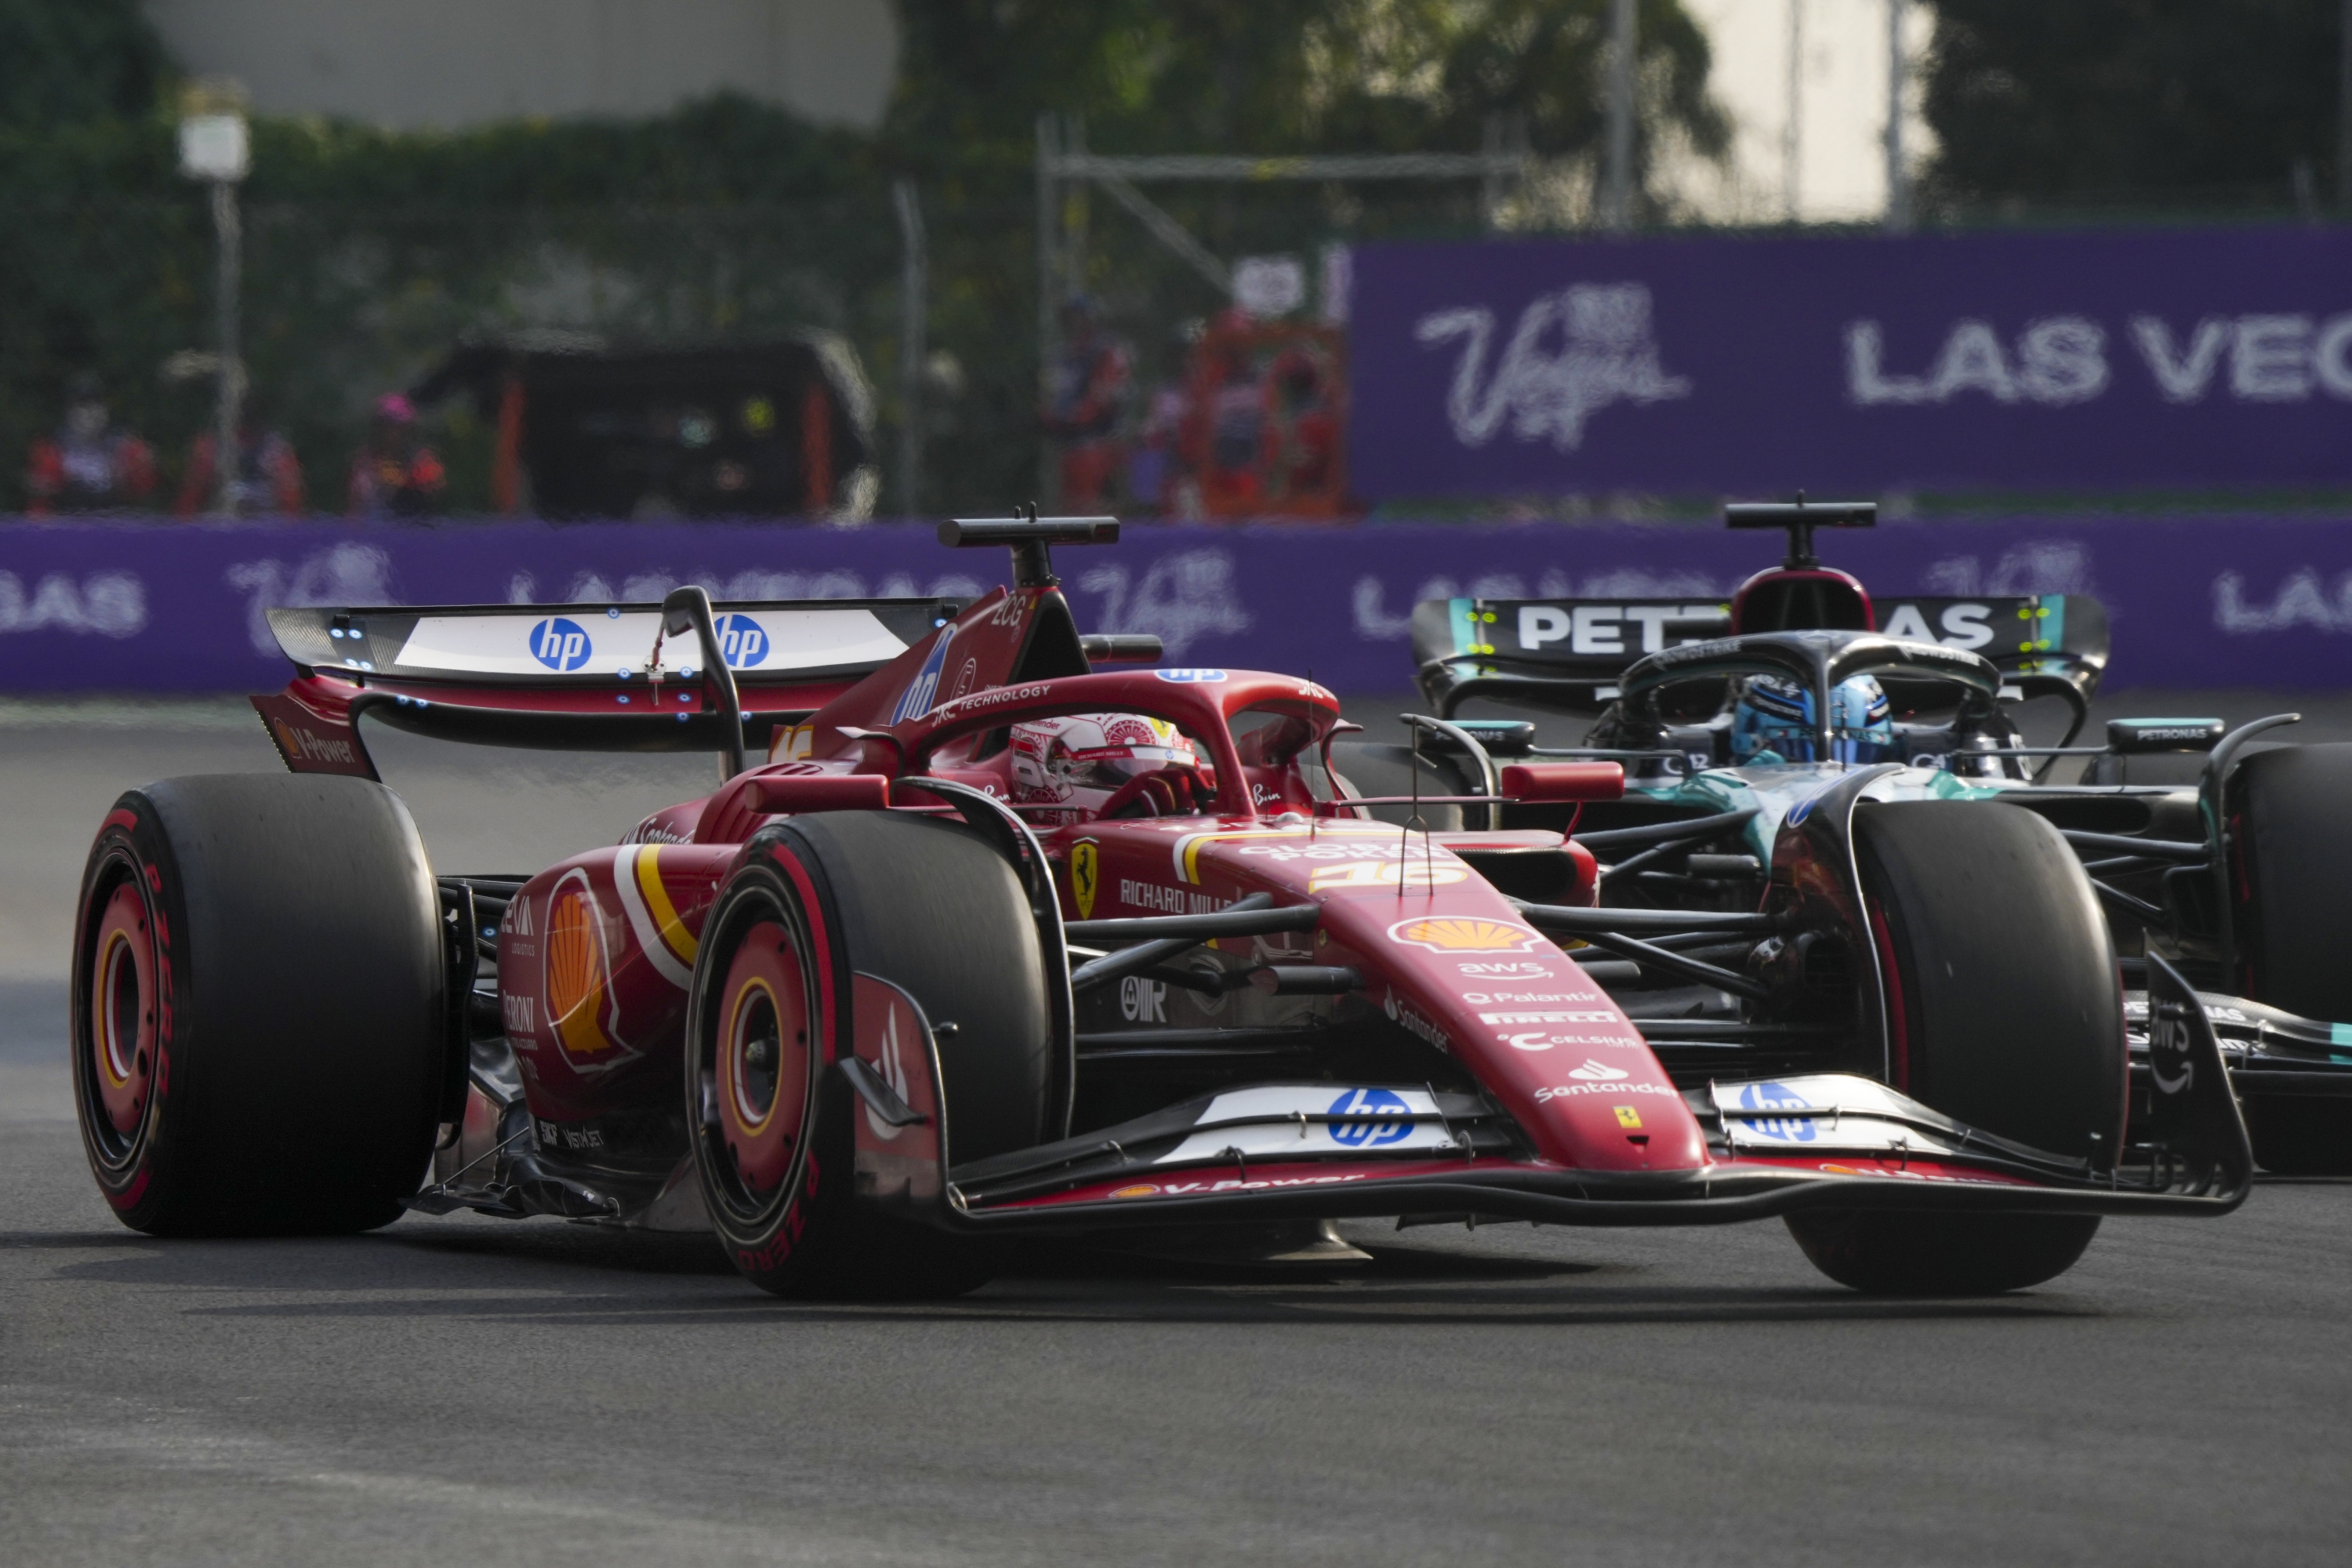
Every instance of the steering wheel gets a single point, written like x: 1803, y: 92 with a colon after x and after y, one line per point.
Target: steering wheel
x: 1172, y: 791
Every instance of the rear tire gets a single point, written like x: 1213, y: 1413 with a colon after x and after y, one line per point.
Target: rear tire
x: 932, y: 908
x: 2295, y: 932
x: 2008, y: 1018
x: 259, y: 1033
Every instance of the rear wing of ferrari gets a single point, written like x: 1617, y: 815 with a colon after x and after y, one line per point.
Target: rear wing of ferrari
x: 767, y: 643
x: 572, y: 676
x: 685, y: 675
x: 1569, y: 653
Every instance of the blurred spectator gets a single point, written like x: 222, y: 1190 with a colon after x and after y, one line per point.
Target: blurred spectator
x: 1231, y: 432
x: 91, y: 464
x: 1154, y: 468
x: 1307, y: 437
x: 1263, y: 437
x: 1091, y: 385
x: 395, y: 475
x: 268, y: 475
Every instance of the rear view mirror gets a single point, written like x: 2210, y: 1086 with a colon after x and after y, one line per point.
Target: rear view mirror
x: 1563, y: 781
x: 2138, y: 737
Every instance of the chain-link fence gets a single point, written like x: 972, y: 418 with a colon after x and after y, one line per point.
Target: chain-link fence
x: 341, y: 304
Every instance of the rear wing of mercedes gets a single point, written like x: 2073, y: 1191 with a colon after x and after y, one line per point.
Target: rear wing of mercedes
x: 1569, y: 653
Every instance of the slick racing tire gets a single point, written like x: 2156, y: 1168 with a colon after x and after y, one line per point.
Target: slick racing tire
x: 2005, y: 1013
x: 2294, y: 929
x: 1372, y: 768
x: 928, y: 905
x: 259, y: 1033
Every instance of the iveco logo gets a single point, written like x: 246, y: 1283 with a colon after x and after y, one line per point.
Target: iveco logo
x: 560, y: 643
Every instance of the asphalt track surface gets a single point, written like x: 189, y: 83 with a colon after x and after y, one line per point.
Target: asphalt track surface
x: 456, y: 1390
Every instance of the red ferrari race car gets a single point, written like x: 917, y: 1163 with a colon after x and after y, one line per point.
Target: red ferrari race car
x: 997, y: 943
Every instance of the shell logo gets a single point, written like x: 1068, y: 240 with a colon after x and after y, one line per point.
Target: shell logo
x: 1139, y: 1190
x: 578, y: 975
x: 1464, y: 933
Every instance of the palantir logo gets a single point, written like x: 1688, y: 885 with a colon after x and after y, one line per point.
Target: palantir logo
x: 742, y: 641
x: 1368, y: 1118
x: 560, y: 643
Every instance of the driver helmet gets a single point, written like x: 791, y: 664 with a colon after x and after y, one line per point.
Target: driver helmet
x: 1078, y: 763
x: 1772, y: 720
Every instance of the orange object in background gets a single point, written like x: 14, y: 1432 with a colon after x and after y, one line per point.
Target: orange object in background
x: 1265, y: 427
x: 506, y: 465
x: 817, y: 447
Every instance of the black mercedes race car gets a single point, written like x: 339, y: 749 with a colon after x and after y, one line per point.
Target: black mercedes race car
x: 1748, y: 730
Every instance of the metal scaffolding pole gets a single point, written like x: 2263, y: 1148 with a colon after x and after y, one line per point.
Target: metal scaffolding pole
x: 1062, y: 163
x: 1617, y: 203
x: 1048, y: 324
x: 2344, y: 109
x: 229, y: 232
x: 914, y: 310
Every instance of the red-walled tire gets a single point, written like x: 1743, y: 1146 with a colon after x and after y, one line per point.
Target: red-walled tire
x: 2009, y: 1019
x: 258, y: 1026
x: 928, y: 905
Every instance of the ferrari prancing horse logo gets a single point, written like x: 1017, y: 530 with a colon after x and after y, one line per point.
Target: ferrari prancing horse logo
x: 1086, y: 876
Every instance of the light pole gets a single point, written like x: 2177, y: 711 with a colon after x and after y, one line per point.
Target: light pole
x: 1792, y: 129
x: 214, y: 148
x: 1898, y: 72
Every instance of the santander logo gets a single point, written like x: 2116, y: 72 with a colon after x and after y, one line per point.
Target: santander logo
x: 1597, y: 1072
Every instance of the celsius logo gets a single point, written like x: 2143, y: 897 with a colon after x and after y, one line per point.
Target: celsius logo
x: 917, y: 699
x: 560, y: 643
x: 1368, y: 1118
x: 742, y: 641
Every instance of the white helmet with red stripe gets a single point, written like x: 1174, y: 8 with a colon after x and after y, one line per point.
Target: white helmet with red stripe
x: 1077, y: 763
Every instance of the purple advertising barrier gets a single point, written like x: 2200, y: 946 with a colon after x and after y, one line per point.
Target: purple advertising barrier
x: 2195, y: 602
x: 1724, y: 365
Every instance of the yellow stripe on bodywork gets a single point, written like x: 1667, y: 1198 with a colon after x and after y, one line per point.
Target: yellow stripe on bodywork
x: 1188, y: 848
x: 674, y: 935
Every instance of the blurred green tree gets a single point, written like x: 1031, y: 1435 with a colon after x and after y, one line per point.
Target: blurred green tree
x: 2117, y: 103
x: 76, y: 59
x: 1284, y: 76
x: 370, y: 252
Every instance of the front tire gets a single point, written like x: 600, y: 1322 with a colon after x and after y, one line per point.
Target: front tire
x: 932, y: 908
x: 259, y: 1032
x: 2006, y: 1013
x: 2293, y: 931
